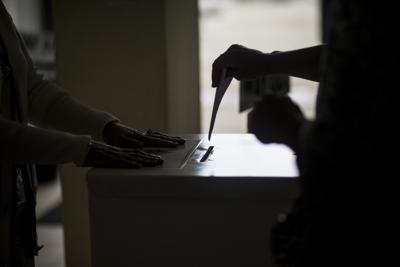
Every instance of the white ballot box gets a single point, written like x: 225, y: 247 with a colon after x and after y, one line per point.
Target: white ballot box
x: 186, y: 213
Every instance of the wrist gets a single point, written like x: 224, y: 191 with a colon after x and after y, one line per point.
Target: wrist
x: 108, y: 130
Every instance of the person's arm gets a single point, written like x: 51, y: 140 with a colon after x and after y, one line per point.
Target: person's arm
x: 52, y: 107
x: 24, y: 144
x: 245, y: 63
x: 302, y: 63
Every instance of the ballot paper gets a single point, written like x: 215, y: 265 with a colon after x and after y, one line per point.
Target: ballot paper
x: 219, y: 94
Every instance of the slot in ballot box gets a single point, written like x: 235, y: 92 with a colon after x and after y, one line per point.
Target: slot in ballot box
x: 190, y: 213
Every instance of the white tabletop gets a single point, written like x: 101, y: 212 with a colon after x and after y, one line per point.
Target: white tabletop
x: 239, y: 167
x: 234, y: 155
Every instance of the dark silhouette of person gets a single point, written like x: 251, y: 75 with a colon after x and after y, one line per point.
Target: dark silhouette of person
x: 345, y: 154
x: 64, y: 131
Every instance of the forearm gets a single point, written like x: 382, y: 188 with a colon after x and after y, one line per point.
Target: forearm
x: 23, y: 144
x: 302, y: 63
x: 51, y: 107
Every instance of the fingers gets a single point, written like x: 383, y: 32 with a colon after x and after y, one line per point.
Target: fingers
x: 128, y: 138
x: 144, y: 158
x: 126, y: 141
x: 175, y: 139
x: 226, y: 61
x: 105, y: 156
x: 156, y: 139
x: 142, y: 153
x: 141, y: 157
x: 222, y: 62
x: 129, y: 142
x: 128, y: 160
x: 132, y: 139
x: 216, y: 72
